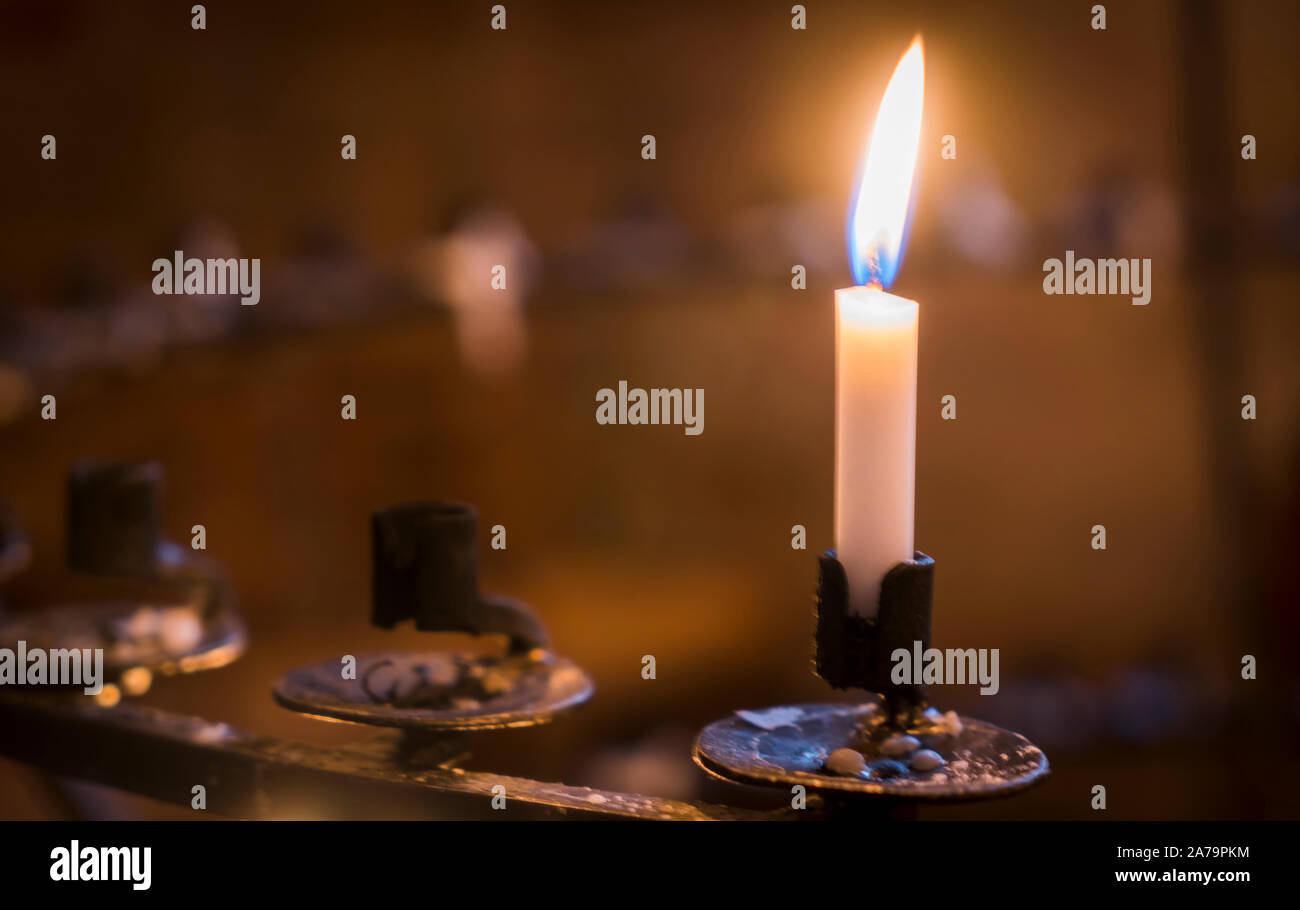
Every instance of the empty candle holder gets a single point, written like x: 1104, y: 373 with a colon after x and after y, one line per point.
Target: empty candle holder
x: 891, y: 743
x: 164, y: 609
x: 425, y: 568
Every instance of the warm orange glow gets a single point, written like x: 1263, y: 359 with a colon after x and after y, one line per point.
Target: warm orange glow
x: 878, y: 217
x: 108, y: 696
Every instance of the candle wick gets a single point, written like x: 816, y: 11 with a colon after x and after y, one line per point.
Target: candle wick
x: 875, y: 273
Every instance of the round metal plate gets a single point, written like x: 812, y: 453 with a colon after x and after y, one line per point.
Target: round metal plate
x: 535, y: 699
x: 221, y: 638
x: 981, y: 761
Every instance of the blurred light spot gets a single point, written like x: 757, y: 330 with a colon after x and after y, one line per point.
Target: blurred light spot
x: 457, y: 269
x: 136, y: 681
x: 985, y: 225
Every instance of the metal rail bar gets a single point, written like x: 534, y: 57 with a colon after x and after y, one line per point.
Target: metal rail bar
x: 163, y: 755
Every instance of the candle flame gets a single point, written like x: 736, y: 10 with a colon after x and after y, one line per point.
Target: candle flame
x: 878, y: 217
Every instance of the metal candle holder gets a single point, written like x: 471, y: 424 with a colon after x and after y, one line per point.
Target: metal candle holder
x: 789, y: 745
x: 853, y: 652
x: 425, y: 568
x: 115, y: 530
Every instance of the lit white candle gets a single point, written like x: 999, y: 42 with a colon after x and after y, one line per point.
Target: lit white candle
x: 876, y: 339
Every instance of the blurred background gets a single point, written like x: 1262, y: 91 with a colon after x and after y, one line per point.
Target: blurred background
x: 523, y: 147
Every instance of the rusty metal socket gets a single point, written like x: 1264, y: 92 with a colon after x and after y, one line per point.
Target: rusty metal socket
x: 114, y: 518
x: 854, y: 652
x: 425, y: 567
